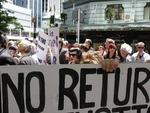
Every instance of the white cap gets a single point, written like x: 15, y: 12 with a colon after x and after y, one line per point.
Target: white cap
x: 126, y: 47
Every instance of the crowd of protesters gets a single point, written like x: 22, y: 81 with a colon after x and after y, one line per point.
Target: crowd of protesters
x: 107, y: 54
x: 84, y: 53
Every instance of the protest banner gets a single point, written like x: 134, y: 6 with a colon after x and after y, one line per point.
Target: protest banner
x: 53, y: 34
x: 79, y: 88
x: 42, y: 46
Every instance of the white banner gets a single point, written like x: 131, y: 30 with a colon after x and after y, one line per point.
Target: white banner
x: 42, y: 46
x: 75, y: 89
x: 53, y: 33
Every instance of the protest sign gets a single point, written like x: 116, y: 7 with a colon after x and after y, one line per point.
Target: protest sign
x: 53, y: 33
x: 79, y: 88
x: 42, y: 46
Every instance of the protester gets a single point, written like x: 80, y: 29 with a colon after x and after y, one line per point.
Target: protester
x: 107, y: 44
x: 25, y: 49
x: 3, y: 44
x: 13, y: 50
x: 112, y: 52
x: 101, y: 49
x: 33, y: 54
x: 5, y: 56
x: 84, y: 47
x: 140, y: 55
x: 62, y: 50
x: 125, y: 53
x: 91, y: 57
x: 75, y: 55
x: 89, y: 43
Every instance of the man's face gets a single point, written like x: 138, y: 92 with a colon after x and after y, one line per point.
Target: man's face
x: 123, y: 53
x: 12, y: 52
x: 21, y: 48
x: 73, y: 57
x: 140, y: 48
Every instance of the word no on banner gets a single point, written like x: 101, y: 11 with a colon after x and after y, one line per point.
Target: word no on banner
x: 85, y: 88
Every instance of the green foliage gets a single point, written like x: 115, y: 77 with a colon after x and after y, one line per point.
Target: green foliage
x: 5, y: 19
x: 109, y: 13
x: 17, y: 25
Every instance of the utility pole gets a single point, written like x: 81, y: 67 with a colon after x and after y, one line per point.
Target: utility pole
x: 78, y: 27
x: 78, y: 16
x: 34, y: 26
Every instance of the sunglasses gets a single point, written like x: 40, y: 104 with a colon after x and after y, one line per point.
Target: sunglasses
x: 73, y: 55
x: 140, y: 47
x: 111, y: 47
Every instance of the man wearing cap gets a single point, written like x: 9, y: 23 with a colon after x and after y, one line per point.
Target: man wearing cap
x: 13, y: 50
x: 5, y: 57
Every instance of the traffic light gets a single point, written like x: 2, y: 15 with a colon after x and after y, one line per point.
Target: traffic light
x: 32, y: 20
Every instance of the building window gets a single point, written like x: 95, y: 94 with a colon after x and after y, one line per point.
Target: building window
x: 147, y: 11
x: 46, y: 7
x: 43, y: 5
x: 117, y: 11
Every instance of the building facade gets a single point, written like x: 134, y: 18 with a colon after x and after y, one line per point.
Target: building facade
x: 49, y: 8
x: 23, y: 16
x: 36, y: 10
x: 131, y: 19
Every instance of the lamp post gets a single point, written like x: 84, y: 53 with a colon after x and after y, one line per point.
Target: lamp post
x: 34, y: 27
x: 34, y: 35
x: 78, y: 17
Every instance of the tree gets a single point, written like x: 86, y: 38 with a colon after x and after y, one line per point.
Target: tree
x: 17, y: 25
x: 63, y: 17
x: 109, y: 13
x: 6, y: 20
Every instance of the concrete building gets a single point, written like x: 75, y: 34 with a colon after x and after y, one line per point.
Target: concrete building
x: 36, y: 10
x: 24, y: 17
x: 41, y: 10
x: 49, y: 8
x: 131, y: 20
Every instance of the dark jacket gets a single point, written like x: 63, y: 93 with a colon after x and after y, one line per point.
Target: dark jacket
x: 62, y: 57
x: 26, y: 60
x: 7, y: 59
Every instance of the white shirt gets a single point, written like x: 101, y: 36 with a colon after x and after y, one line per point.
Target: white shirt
x: 143, y: 55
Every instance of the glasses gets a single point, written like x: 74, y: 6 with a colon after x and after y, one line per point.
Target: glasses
x: 140, y: 47
x: 72, y: 55
x: 111, y: 47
